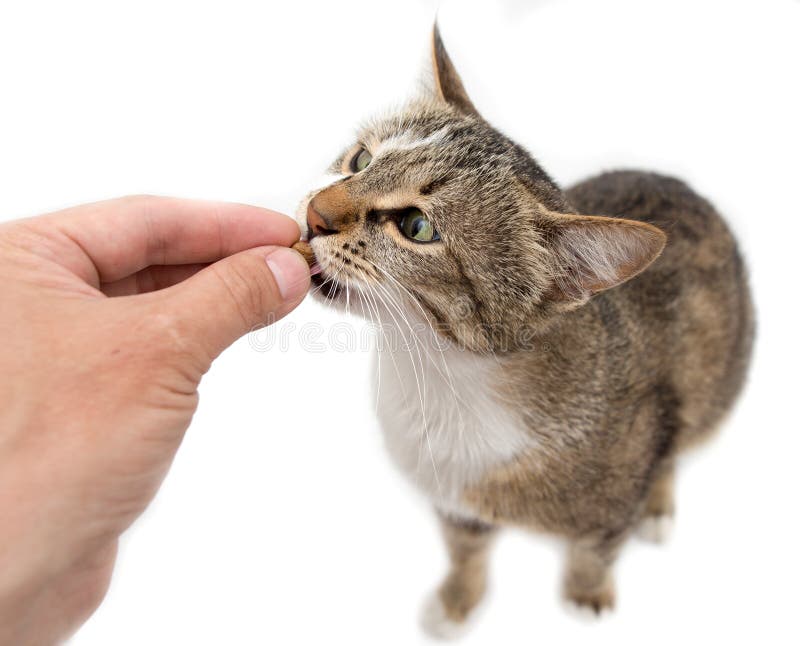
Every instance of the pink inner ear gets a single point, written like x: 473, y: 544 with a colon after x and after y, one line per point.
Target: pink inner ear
x: 596, y: 253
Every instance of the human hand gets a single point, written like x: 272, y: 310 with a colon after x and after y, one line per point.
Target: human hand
x: 110, y: 313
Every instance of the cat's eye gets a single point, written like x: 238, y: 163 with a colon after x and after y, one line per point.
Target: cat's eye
x: 360, y: 161
x: 415, y: 225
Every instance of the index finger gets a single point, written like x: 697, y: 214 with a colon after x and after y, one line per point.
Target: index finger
x: 106, y: 241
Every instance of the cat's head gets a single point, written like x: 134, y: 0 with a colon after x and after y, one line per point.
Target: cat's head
x: 433, y: 213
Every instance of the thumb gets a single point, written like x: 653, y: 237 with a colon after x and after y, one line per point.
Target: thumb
x: 231, y: 297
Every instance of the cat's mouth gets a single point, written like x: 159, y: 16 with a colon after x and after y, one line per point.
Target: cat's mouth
x: 339, y: 270
x: 330, y: 289
x: 323, y: 284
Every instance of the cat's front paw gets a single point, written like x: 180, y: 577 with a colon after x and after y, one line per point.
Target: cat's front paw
x: 436, y: 621
x: 591, y: 604
x: 655, y: 528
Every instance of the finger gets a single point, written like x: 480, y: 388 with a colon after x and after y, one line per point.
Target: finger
x: 151, y: 279
x: 106, y: 241
x: 237, y: 294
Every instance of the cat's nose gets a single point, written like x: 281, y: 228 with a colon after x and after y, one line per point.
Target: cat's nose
x: 318, y: 225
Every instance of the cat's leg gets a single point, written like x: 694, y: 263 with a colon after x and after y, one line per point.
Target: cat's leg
x: 659, y: 510
x: 589, y: 581
x: 468, y: 542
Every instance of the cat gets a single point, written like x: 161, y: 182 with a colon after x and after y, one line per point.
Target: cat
x: 548, y: 353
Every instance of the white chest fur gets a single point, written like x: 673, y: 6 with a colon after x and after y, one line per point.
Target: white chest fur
x: 441, y: 420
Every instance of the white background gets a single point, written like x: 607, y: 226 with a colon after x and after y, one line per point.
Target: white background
x: 282, y: 521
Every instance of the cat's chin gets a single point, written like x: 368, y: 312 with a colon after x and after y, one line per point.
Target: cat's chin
x: 333, y: 294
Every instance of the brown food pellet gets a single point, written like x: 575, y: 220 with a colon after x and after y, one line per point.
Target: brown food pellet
x: 306, y: 251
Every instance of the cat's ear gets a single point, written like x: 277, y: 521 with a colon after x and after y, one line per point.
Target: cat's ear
x: 447, y: 82
x: 592, y: 254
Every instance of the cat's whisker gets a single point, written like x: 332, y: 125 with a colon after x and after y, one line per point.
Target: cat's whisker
x: 425, y: 432
x: 448, y: 376
x: 376, y: 323
x: 336, y: 287
x: 366, y: 313
x: 317, y: 290
x: 467, y: 406
x: 329, y: 280
x: 448, y: 381
x: 418, y: 342
x: 371, y: 294
x: 411, y: 328
x: 382, y: 337
x: 421, y: 384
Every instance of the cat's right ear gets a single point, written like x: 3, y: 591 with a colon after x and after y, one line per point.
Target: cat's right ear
x: 448, y: 85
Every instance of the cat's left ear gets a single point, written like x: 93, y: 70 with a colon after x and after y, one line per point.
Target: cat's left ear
x: 448, y: 85
x: 593, y: 253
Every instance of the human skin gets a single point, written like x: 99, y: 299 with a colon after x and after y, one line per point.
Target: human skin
x: 110, y: 313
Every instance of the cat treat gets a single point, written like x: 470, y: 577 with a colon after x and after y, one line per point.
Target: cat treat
x: 305, y: 250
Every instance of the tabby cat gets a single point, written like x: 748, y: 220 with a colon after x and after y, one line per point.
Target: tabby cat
x: 547, y: 353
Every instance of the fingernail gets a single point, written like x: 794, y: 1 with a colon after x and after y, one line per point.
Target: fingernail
x: 290, y: 272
